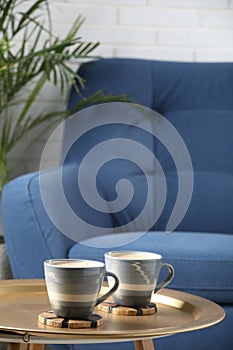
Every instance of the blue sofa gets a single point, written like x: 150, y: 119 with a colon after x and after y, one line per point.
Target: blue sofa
x: 197, y: 98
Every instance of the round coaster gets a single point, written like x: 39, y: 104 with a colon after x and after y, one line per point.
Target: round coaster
x: 127, y: 311
x: 49, y: 318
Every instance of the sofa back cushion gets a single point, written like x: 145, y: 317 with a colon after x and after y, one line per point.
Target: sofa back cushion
x: 197, y: 99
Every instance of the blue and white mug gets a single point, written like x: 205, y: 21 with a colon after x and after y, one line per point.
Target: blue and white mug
x: 73, y: 286
x: 138, y: 273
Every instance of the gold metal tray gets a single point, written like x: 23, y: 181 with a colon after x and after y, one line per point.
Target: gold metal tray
x: 22, y: 300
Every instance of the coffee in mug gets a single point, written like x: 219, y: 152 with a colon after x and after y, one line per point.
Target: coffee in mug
x: 73, y: 286
x: 138, y: 273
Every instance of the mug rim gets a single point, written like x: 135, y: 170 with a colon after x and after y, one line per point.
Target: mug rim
x: 150, y: 256
x: 93, y: 263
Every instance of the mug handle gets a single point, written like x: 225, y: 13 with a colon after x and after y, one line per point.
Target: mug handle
x: 171, y: 273
x: 111, y: 291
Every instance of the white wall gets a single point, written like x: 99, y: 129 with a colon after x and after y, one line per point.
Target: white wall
x: 183, y: 30
x: 192, y: 30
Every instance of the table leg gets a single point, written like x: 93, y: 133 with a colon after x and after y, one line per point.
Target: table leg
x: 17, y: 346
x: 144, y: 344
x: 36, y: 347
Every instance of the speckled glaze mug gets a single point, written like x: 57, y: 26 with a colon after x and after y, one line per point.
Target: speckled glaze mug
x: 73, y: 286
x: 138, y: 274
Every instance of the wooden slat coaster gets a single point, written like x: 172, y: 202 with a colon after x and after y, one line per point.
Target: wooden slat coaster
x: 50, y: 319
x: 127, y: 311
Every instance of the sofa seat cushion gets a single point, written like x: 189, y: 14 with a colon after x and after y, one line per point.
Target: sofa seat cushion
x: 203, y: 262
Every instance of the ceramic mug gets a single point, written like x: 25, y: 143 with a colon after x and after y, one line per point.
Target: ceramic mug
x: 138, y: 274
x: 73, y: 286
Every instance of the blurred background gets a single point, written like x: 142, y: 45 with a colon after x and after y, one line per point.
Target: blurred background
x: 174, y: 30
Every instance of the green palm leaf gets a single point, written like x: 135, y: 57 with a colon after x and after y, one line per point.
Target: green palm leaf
x: 24, y: 70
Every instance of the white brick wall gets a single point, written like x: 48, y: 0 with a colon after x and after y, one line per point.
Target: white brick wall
x: 184, y: 30
x: 211, y: 4
x: 153, y: 17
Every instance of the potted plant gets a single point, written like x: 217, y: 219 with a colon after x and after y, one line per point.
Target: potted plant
x: 30, y: 56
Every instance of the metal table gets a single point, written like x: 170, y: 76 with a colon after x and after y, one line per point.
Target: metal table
x: 21, y: 301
